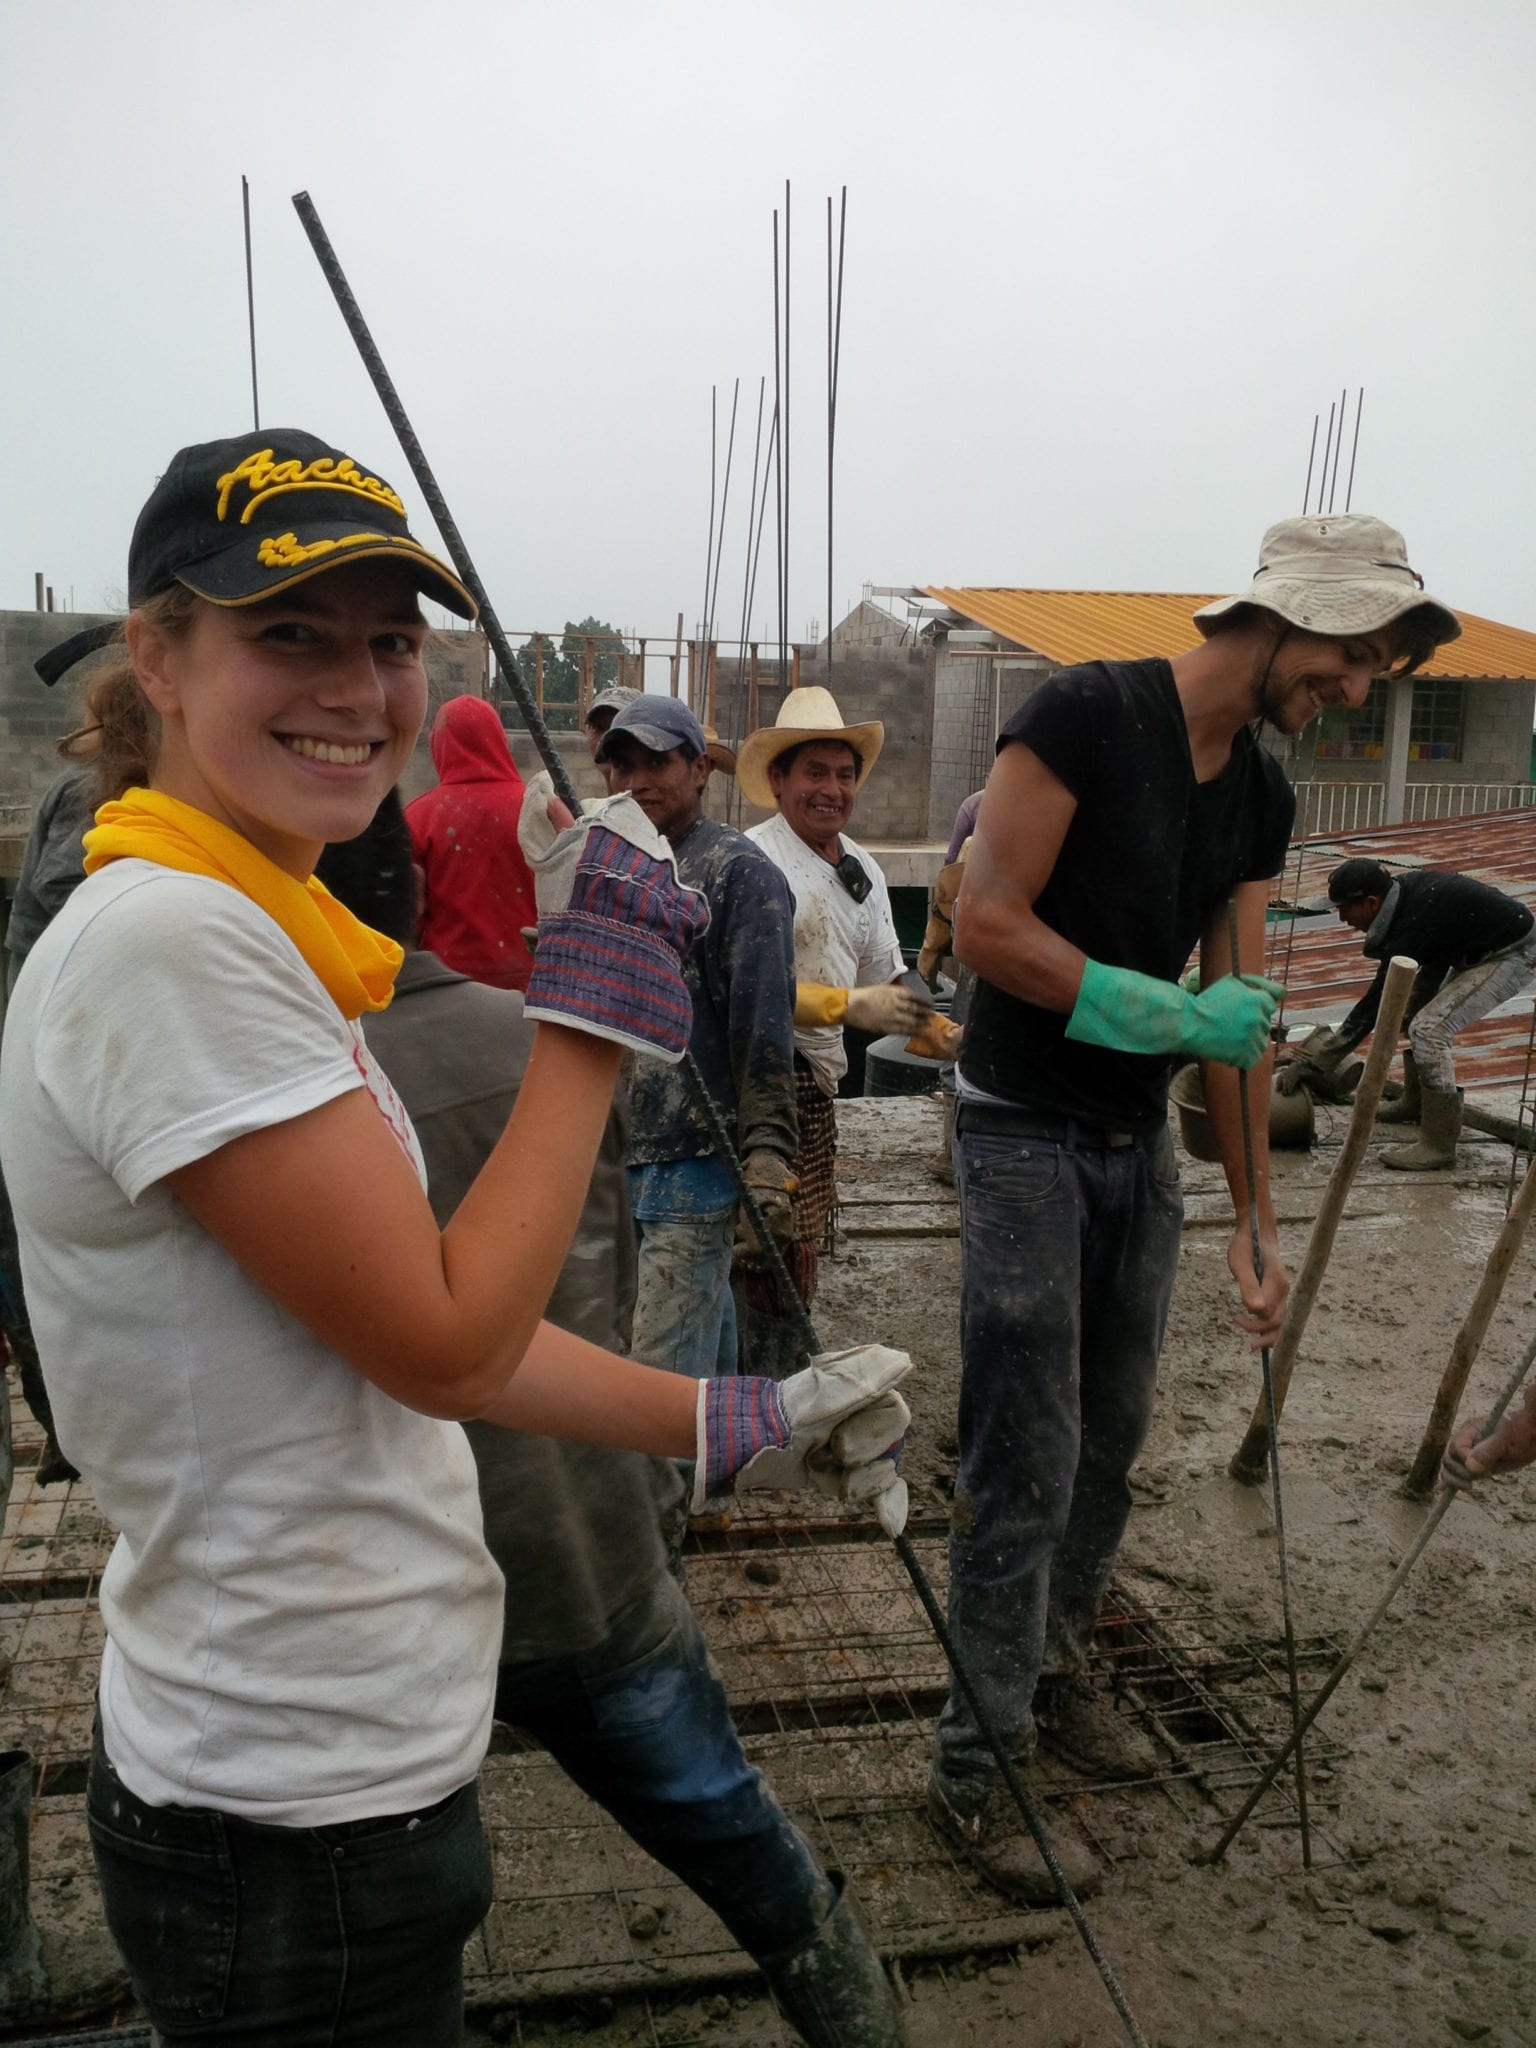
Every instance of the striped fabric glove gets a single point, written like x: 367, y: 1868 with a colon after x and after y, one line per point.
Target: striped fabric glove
x: 836, y: 1428
x: 615, y: 926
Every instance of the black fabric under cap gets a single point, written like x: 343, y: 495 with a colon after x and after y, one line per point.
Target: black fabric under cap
x: 1358, y: 877
x: 242, y: 519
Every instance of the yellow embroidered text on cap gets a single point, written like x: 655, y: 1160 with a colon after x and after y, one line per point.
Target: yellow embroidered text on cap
x: 268, y: 479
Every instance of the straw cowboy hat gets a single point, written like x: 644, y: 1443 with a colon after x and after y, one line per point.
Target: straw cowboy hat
x: 810, y: 713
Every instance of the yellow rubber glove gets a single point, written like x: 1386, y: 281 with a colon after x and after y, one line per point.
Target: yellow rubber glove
x: 815, y: 1003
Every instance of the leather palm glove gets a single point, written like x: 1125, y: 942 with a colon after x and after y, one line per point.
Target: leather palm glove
x: 886, y: 1007
x: 1128, y: 1012
x: 769, y: 1178
x: 939, y: 1039
x: 1313, y: 1066
x: 939, y: 937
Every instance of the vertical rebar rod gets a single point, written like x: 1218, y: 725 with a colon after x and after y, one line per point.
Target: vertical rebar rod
x: 834, y: 358
x: 1257, y: 1250
x: 737, y: 709
x: 1354, y: 448
x: 1306, y: 496
x: 784, y: 424
x: 1338, y: 446
x: 725, y: 499
x: 1327, y: 450
x: 778, y: 456
x: 250, y: 300
x: 709, y: 546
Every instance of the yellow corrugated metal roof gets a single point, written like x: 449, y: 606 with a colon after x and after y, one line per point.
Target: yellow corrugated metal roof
x: 1126, y: 625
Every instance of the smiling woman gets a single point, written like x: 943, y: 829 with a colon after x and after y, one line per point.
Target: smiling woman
x: 255, y: 1334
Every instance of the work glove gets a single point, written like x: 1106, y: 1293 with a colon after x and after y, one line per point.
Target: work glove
x: 615, y: 925
x: 1128, y: 1012
x: 939, y: 1039
x: 939, y: 936
x: 836, y: 1428
x: 1313, y: 1066
x: 769, y: 1178
x: 887, y: 1007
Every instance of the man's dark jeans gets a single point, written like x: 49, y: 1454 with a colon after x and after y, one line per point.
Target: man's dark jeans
x: 331, y: 1937
x: 641, y: 1724
x: 1068, y: 1254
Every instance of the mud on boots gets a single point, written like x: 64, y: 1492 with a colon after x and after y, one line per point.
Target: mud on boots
x: 1439, y: 1128
x: 833, y: 1989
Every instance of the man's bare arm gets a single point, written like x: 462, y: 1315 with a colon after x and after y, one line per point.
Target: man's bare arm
x: 1017, y: 843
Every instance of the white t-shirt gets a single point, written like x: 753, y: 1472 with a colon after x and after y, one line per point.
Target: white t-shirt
x: 838, y: 942
x: 302, y: 1616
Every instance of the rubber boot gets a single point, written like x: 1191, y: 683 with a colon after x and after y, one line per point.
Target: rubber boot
x: 1439, y: 1127
x: 22, y: 1982
x: 834, y: 1990
x: 1405, y: 1110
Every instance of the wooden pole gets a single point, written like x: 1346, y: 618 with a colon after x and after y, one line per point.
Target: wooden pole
x: 714, y: 679
x: 1250, y: 1462
x: 1420, y: 1483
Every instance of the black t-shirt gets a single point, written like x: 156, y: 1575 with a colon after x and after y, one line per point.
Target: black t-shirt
x: 1149, y: 856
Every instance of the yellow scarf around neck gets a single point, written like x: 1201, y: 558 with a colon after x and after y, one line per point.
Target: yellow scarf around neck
x: 355, y: 964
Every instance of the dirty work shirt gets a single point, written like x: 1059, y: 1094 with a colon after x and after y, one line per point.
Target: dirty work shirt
x: 1149, y: 857
x: 479, y: 889
x: 741, y: 978
x: 301, y: 1611
x: 573, y: 1526
x: 53, y: 866
x: 839, y: 943
x: 1446, y: 923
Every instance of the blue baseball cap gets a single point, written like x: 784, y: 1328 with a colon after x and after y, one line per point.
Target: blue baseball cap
x: 660, y: 723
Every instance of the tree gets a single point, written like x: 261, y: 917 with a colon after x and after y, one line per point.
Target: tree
x: 563, y: 665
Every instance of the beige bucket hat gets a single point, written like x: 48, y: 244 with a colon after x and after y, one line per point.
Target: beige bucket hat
x: 809, y: 713
x: 1336, y: 575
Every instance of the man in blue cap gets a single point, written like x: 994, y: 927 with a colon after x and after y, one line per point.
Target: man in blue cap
x: 741, y: 976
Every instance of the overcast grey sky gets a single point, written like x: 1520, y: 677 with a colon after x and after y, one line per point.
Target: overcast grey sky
x: 1104, y: 263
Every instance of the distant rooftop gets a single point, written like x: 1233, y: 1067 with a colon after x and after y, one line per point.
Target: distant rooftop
x: 1127, y: 625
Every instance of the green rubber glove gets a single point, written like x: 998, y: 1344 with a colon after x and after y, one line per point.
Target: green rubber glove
x: 1128, y: 1012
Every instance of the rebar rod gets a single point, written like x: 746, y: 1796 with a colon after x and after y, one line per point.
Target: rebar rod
x: 738, y: 708
x: 1357, y: 1642
x: 1338, y: 446
x: 778, y: 456
x: 725, y: 499
x: 709, y: 546
x: 1306, y: 496
x: 250, y: 300
x: 719, y: 1134
x: 1274, y: 1431
x: 1322, y: 483
x: 1354, y: 448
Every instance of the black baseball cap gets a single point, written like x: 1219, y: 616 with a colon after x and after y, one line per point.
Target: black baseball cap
x: 241, y: 519
x: 1358, y: 877
x: 660, y: 723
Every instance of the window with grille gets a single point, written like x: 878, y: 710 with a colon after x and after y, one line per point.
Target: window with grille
x: 1434, y: 725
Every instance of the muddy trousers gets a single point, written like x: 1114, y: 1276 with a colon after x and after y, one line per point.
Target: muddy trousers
x: 642, y: 1725
x: 331, y: 1937
x: 1068, y: 1254
x: 1468, y: 994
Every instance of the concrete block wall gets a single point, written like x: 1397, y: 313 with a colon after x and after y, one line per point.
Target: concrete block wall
x: 973, y: 699
x: 1495, y: 743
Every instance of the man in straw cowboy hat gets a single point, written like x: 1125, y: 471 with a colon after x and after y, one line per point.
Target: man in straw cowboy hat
x: 1128, y: 806
x: 808, y: 768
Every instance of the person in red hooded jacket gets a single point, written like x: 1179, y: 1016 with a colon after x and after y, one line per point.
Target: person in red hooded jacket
x: 478, y: 890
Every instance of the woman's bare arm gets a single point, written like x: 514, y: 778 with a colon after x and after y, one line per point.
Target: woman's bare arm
x: 326, y: 1215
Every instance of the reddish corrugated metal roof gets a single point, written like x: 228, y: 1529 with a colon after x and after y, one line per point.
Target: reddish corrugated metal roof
x: 1325, y: 969
x: 1127, y: 625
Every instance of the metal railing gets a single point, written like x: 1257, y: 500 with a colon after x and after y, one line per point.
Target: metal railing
x: 1325, y: 808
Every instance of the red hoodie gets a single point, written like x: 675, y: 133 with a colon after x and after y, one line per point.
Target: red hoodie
x: 479, y: 892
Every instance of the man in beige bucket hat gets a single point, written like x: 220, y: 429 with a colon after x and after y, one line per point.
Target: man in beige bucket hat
x: 808, y: 767
x: 1128, y: 806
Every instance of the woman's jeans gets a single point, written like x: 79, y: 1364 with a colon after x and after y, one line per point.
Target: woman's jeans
x: 1068, y: 1255
x: 346, y: 1936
